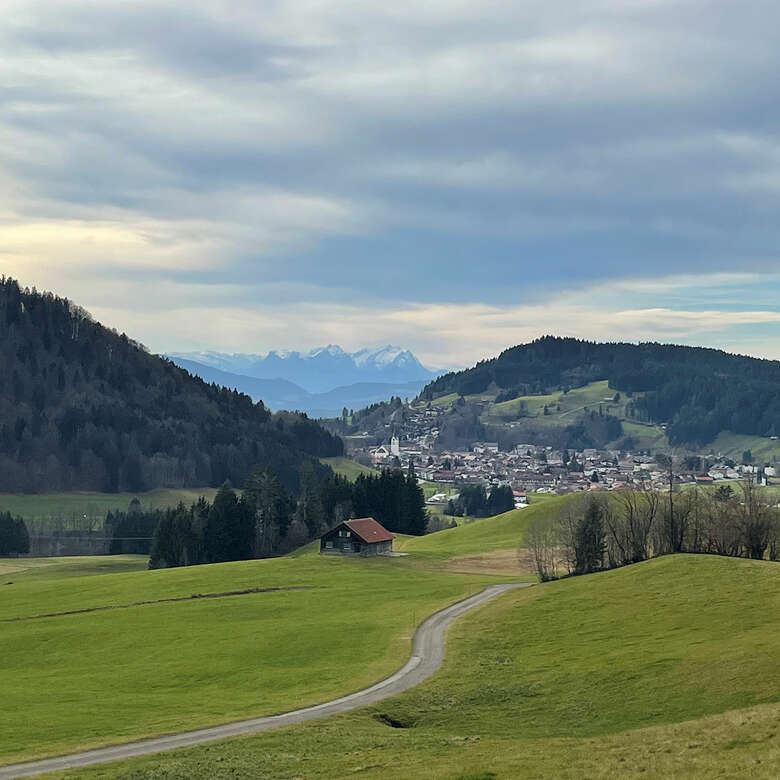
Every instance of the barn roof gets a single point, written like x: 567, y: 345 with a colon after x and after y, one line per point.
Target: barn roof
x: 369, y: 530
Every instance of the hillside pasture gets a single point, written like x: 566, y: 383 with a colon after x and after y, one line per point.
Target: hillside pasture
x: 481, y: 535
x: 346, y: 467
x: 732, y: 445
x: 646, y: 437
x: 560, y: 405
x: 24, y: 569
x: 79, y: 510
x: 96, y: 660
x: 662, y: 669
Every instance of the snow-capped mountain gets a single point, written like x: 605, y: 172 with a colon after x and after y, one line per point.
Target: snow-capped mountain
x: 322, y: 369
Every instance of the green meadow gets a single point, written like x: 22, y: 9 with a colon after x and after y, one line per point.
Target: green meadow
x: 663, y: 669
x: 95, y: 660
x: 561, y: 405
x: 15, y: 570
x: 94, y: 506
x: 481, y: 535
x: 347, y: 467
x: 732, y: 445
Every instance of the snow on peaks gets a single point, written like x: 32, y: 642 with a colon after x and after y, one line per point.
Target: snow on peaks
x: 333, y: 350
x: 383, y: 356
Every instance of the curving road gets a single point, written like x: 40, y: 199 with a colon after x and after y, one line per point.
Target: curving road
x: 427, y: 657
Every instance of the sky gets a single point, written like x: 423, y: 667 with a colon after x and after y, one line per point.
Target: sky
x: 453, y: 177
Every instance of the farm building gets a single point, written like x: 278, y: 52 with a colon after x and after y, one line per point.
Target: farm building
x: 364, y: 536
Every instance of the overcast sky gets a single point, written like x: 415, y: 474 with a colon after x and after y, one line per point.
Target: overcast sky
x: 453, y: 177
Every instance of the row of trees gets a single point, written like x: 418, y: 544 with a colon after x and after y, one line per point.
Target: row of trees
x: 392, y: 498
x: 14, y: 539
x: 597, y: 531
x: 131, y: 532
x: 476, y: 501
x: 265, y: 521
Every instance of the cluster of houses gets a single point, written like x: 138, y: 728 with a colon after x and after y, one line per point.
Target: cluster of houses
x: 529, y: 468
x: 411, y: 436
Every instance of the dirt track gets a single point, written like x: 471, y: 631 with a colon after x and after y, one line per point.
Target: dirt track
x: 427, y: 657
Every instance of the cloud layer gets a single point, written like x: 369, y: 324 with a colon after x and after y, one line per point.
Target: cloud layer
x: 456, y: 176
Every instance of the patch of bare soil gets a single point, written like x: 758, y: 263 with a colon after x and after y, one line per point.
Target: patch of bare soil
x: 509, y: 562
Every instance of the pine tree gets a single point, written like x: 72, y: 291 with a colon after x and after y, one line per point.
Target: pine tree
x: 590, y: 541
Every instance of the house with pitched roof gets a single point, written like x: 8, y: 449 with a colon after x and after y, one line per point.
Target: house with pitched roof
x: 363, y: 536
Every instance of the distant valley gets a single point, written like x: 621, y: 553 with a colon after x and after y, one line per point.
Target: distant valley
x: 321, y: 382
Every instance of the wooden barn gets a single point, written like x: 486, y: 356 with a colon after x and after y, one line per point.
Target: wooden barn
x: 364, y: 536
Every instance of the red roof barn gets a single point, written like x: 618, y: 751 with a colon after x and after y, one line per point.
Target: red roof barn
x: 363, y: 536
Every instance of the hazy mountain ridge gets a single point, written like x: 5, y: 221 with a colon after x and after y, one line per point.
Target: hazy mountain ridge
x: 320, y: 370
x: 279, y: 394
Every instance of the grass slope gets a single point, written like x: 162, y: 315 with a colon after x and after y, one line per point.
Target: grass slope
x: 15, y: 570
x: 732, y: 445
x: 591, y: 395
x: 664, y: 669
x: 503, y: 532
x: 121, y: 673
x: 347, y: 468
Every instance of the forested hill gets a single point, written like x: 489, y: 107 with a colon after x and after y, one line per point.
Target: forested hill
x: 698, y: 392
x: 82, y: 407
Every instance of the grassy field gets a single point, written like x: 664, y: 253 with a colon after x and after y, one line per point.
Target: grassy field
x: 445, y: 400
x: 25, y: 569
x: 503, y: 532
x: 560, y: 405
x: 646, y: 437
x: 663, y: 669
x: 566, y: 408
x: 347, y: 468
x: 123, y: 670
x: 94, y: 506
x: 732, y: 445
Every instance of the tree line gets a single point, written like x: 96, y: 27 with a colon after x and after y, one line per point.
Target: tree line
x: 477, y: 501
x: 698, y: 392
x: 85, y: 408
x: 264, y: 520
x: 14, y: 538
x: 596, y: 531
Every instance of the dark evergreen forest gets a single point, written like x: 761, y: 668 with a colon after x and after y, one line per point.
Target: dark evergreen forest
x: 265, y: 521
x: 14, y: 538
x: 85, y: 408
x: 697, y: 392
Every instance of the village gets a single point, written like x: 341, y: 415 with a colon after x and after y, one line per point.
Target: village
x: 532, y: 469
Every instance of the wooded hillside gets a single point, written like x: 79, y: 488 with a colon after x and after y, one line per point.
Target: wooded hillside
x: 698, y: 392
x: 85, y: 408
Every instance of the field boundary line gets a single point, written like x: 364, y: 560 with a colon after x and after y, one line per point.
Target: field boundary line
x: 173, y: 600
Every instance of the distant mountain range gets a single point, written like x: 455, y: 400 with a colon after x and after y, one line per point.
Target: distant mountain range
x: 320, y: 382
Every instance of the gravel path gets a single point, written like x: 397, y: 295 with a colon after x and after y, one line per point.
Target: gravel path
x: 427, y: 657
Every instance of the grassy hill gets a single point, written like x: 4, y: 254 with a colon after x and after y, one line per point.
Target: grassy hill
x: 696, y: 393
x: 663, y: 669
x: 525, y: 416
x: 143, y: 653
x: 481, y: 535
